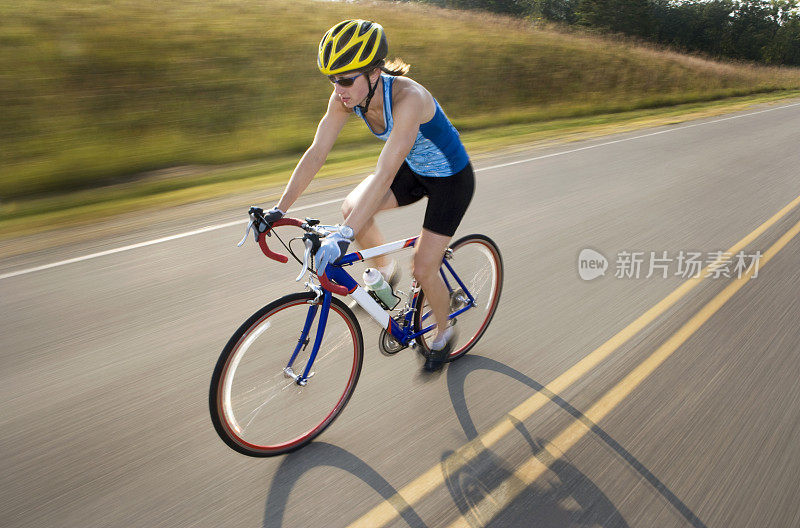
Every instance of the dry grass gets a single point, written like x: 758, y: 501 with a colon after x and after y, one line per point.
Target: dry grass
x: 98, y: 91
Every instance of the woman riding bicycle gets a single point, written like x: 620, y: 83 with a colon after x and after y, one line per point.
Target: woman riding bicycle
x: 423, y: 156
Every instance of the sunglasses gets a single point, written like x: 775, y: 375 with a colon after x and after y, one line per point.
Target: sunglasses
x: 344, y: 81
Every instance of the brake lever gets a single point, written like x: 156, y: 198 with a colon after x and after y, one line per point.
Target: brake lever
x: 306, y: 258
x: 247, y: 232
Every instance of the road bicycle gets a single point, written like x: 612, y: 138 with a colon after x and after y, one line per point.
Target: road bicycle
x: 271, y: 393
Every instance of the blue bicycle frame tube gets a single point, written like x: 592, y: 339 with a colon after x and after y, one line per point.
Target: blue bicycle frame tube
x: 397, y: 332
x: 312, y: 312
x: 454, y: 314
x: 323, y: 321
x: 458, y: 280
x: 340, y: 276
x: 446, y: 282
x: 350, y: 258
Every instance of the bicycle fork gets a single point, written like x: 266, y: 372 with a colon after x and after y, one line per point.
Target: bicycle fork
x: 302, y: 343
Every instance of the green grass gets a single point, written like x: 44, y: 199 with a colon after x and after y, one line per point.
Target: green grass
x: 345, y: 165
x: 103, y: 98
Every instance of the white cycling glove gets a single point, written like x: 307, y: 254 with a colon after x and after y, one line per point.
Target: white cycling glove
x: 332, y: 248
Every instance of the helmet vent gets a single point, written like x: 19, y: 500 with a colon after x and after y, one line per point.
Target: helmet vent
x: 367, y: 48
x: 365, y: 27
x: 345, y: 59
x: 338, y: 27
x: 344, y: 38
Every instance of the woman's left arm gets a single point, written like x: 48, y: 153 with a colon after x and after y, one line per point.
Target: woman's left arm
x: 407, y: 118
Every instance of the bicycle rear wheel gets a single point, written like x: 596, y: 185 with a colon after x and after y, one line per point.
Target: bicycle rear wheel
x: 478, y: 264
x: 256, y: 408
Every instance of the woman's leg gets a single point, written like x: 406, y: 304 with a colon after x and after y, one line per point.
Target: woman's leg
x: 369, y: 235
x: 428, y: 254
x: 448, y: 199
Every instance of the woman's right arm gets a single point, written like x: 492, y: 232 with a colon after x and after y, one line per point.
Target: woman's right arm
x: 313, y: 159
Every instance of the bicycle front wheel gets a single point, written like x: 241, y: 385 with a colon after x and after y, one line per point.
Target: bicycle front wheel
x: 256, y: 407
x: 478, y: 266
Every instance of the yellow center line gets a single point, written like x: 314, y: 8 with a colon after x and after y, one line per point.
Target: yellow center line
x: 417, y: 489
x: 533, y: 468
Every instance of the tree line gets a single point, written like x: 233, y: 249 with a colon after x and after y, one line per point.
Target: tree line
x: 765, y: 31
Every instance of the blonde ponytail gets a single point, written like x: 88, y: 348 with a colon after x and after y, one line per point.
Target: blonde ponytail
x: 395, y: 68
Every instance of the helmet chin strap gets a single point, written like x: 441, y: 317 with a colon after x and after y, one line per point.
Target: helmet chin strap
x: 371, y: 92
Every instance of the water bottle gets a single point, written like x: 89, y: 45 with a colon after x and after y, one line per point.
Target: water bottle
x: 380, y: 289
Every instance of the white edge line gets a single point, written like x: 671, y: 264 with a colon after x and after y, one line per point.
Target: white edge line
x: 148, y: 243
x: 636, y: 137
x: 237, y: 222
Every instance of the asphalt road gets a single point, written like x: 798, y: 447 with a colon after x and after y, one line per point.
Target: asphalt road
x: 691, y: 418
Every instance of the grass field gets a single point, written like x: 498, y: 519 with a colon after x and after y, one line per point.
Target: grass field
x: 99, y: 94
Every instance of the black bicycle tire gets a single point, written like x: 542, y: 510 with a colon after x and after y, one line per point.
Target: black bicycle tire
x: 216, y: 379
x: 423, y: 348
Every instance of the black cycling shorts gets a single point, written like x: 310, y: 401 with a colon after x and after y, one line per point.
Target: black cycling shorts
x: 448, y: 196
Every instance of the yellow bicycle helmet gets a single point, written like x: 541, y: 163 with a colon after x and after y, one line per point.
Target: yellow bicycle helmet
x: 352, y: 45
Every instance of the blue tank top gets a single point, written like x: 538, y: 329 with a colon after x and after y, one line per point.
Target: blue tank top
x: 437, y: 151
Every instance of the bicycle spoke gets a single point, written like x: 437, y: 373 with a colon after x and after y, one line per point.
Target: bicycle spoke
x: 478, y: 270
x: 260, y: 411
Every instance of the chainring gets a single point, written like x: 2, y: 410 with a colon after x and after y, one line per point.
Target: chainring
x: 388, y: 345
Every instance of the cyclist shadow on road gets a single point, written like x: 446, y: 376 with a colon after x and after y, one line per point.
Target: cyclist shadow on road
x: 319, y: 454
x: 474, y: 476
x: 562, y: 496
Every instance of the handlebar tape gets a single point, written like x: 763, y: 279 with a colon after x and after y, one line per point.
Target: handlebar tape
x: 262, y: 243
